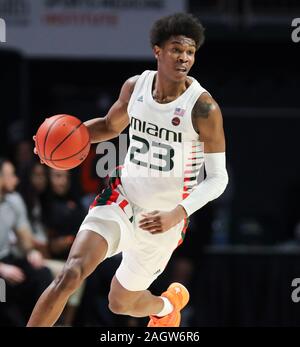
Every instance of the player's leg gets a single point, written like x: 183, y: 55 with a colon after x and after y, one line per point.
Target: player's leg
x: 129, y: 295
x: 139, y: 303
x: 163, y: 310
x: 140, y: 266
x: 88, y: 250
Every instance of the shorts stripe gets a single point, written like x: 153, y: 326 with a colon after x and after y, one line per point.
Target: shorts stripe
x: 183, y: 232
x: 112, y: 195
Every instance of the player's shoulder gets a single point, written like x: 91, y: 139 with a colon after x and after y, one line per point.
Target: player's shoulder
x: 128, y: 88
x: 206, y: 97
x: 204, y: 105
x: 131, y: 81
x: 203, y: 94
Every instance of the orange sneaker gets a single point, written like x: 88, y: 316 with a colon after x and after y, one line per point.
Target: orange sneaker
x: 179, y: 297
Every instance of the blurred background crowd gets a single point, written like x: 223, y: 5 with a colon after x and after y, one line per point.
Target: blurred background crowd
x: 241, y: 251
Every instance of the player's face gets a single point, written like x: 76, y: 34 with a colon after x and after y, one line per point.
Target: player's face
x: 176, y: 57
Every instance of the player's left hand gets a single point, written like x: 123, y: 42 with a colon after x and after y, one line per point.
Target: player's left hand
x: 160, y: 221
x: 35, y: 149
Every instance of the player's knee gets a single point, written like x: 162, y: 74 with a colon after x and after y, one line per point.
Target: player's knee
x: 118, y: 306
x: 71, y: 276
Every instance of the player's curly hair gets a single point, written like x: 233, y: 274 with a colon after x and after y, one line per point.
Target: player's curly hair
x: 177, y: 24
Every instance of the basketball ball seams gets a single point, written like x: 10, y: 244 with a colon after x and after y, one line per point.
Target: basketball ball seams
x: 62, y: 136
x: 62, y: 141
x: 48, y: 131
x: 70, y: 156
x: 58, y: 167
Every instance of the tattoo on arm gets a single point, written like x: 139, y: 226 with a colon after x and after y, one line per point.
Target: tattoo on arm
x: 202, y: 108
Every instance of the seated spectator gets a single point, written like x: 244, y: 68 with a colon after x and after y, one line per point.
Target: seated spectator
x: 34, y: 189
x: 23, y: 157
x: 26, y: 277
x: 64, y: 214
x: 42, y: 206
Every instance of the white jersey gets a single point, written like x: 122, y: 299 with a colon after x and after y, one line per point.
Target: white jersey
x: 165, y: 155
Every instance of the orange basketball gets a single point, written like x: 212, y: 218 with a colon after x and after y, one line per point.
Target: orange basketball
x: 62, y: 142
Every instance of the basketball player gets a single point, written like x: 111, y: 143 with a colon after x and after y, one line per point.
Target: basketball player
x: 175, y: 127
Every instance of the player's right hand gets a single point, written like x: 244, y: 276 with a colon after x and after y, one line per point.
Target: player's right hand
x: 35, y: 150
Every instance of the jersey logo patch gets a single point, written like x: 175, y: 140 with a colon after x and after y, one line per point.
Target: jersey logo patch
x: 179, y: 112
x: 140, y: 98
x: 175, y: 121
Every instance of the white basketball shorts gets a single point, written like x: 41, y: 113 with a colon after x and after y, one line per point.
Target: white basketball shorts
x: 144, y: 255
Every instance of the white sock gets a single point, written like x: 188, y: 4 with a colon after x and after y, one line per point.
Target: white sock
x: 168, y: 308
